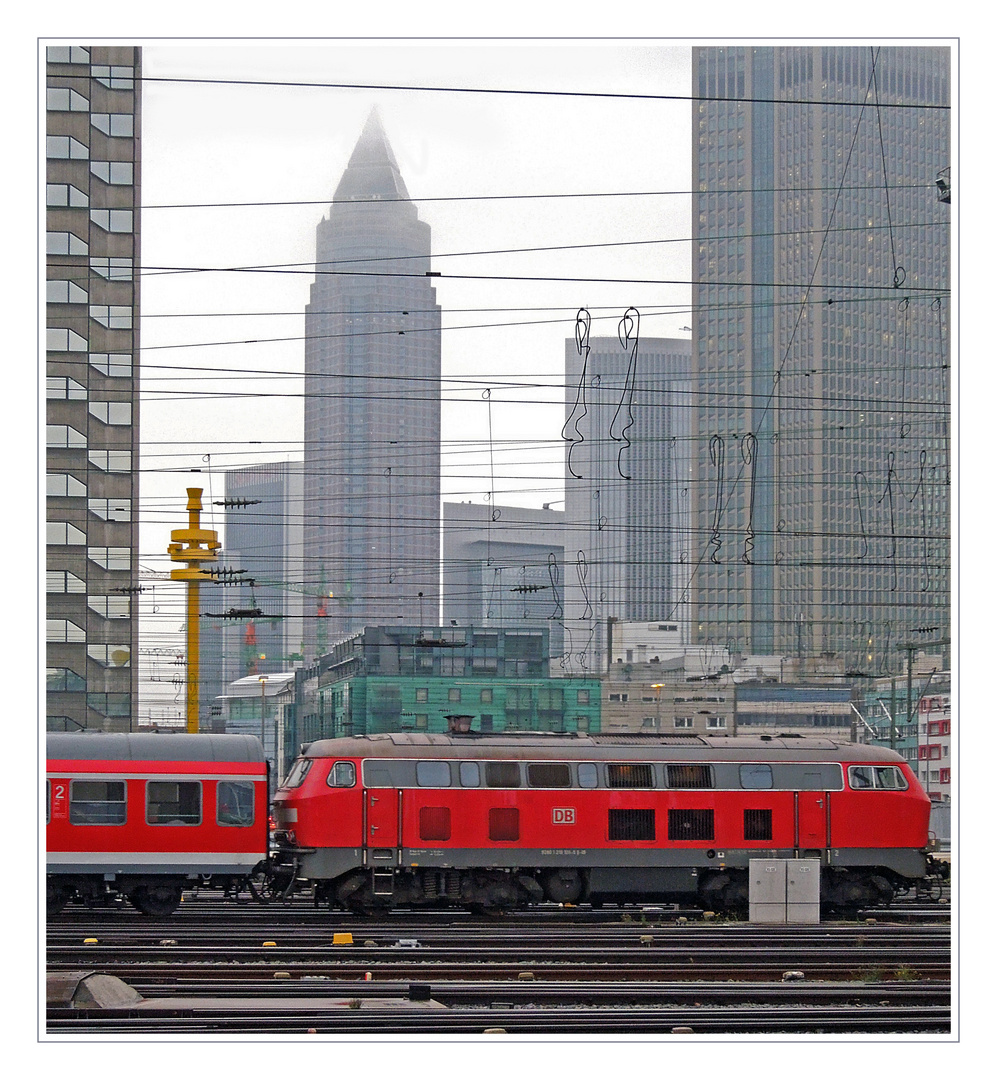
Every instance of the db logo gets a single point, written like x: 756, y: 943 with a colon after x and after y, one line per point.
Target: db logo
x: 563, y: 815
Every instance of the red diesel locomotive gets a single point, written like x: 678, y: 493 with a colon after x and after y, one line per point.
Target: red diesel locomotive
x: 498, y: 821
x: 145, y: 816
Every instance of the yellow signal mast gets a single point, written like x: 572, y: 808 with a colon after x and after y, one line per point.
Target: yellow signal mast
x: 193, y: 546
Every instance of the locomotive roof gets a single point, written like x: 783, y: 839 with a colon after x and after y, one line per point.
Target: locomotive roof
x: 147, y: 746
x: 541, y: 745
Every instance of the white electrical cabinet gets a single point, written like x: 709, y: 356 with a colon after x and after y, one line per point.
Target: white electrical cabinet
x: 784, y: 890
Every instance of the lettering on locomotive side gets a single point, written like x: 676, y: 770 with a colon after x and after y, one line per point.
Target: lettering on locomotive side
x: 562, y: 815
x: 563, y: 851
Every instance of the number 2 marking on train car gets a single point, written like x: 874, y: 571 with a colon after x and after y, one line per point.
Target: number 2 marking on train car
x: 563, y: 815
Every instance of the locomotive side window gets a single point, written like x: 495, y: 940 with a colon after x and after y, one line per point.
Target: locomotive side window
x: 470, y: 774
x: 503, y: 823
x: 629, y: 775
x: 298, y: 773
x: 434, y: 822
x: 432, y: 773
x: 502, y: 774
x: 631, y: 824
x: 235, y: 803
x: 690, y: 824
x: 588, y: 775
x: 342, y: 774
x: 173, y: 802
x: 97, y: 802
x: 757, y: 824
x: 755, y: 777
x: 689, y: 776
x: 548, y: 774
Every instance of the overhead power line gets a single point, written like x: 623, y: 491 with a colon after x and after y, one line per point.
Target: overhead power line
x: 521, y: 92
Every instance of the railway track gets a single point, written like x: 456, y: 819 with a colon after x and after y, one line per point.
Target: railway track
x: 215, y: 967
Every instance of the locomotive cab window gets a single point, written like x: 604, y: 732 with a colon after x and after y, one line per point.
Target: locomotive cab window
x: 235, y: 803
x: 298, y: 773
x: 627, y: 774
x: 342, y: 774
x: 97, y: 802
x: 883, y: 777
x: 548, y: 774
x: 173, y: 802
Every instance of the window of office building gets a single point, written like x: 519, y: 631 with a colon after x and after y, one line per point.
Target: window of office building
x: 110, y: 558
x: 65, y: 195
x: 63, y: 99
x: 65, y: 148
x: 61, y: 388
x: 64, y: 243
x: 61, y: 532
x: 111, y: 509
x: 113, y: 268
x: 62, y: 581
x: 64, y: 292
x: 111, y: 461
x: 113, y: 172
x: 112, y: 412
x: 115, y: 221
x: 114, y: 365
x: 60, y: 339
x: 113, y: 316
x: 116, y: 125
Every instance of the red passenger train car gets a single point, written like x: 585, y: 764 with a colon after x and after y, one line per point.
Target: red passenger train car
x: 145, y: 816
x: 506, y: 820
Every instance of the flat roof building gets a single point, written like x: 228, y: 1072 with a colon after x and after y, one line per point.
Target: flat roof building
x: 92, y: 209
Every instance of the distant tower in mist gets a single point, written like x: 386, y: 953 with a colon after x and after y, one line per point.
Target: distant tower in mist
x: 372, y: 408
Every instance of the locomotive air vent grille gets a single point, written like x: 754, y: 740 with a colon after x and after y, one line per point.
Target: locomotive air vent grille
x: 643, y: 740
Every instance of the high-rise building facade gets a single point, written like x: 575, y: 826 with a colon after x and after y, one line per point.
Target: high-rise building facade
x: 627, y: 497
x: 503, y: 567
x: 92, y: 184
x: 372, y: 407
x: 821, y: 350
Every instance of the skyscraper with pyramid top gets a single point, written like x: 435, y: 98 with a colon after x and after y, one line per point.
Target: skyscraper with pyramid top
x: 372, y: 408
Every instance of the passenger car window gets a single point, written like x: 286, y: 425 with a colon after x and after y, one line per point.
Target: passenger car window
x: 173, y: 802
x: 234, y: 803
x: 342, y: 774
x: 97, y: 802
x: 470, y: 774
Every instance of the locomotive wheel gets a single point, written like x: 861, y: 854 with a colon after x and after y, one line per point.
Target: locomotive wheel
x: 158, y: 900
